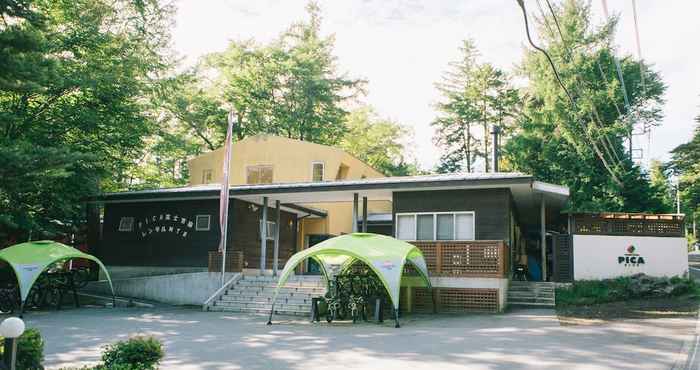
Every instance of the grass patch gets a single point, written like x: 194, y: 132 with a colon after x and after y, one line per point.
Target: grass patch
x: 639, y: 297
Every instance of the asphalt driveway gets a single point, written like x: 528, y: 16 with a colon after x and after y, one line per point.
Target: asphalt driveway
x: 531, y: 339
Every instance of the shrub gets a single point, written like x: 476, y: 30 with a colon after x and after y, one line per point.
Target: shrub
x: 586, y: 292
x: 30, y: 350
x: 138, y: 353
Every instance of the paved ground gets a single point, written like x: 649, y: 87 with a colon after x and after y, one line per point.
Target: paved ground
x: 530, y: 339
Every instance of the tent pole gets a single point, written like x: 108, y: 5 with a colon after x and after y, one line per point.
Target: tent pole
x: 275, y: 259
x: 355, y: 200
x: 396, y: 318
x: 269, y: 320
x: 263, y: 236
x: 364, y: 214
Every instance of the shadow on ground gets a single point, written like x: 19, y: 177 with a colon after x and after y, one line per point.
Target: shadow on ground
x: 529, y: 339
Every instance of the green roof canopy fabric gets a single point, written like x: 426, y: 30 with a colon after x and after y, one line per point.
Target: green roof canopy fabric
x: 30, y: 259
x: 385, y: 255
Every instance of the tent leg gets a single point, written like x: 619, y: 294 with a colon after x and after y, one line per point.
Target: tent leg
x: 21, y: 309
x: 396, y: 318
x: 269, y: 320
x: 432, y: 295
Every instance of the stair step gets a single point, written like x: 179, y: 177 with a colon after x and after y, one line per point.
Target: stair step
x: 264, y: 300
x: 259, y: 311
x: 264, y: 306
x: 531, y: 304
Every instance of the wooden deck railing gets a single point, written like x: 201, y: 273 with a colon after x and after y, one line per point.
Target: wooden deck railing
x: 234, y: 261
x: 481, y: 258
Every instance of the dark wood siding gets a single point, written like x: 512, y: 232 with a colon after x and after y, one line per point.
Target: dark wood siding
x: 490, y: 206
x: 145, y: 246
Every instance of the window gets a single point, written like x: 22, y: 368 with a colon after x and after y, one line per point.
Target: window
x: 258, y: 175
x: 445, y: 226
x: 464, y: 226
x: 435, y: 226
x: 406, y: 227
x: 271, y: 226
x: 317, y: 171
x: 424, y: 227
x: 207, y: 176
x: 202, y: 223
x: 126, y: 224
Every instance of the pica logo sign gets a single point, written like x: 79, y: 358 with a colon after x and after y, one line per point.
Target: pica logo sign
x: 631, y: 258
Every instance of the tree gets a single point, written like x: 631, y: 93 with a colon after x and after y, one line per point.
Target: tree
x: 73, y: 115
x: 661, y: 186
x: 473, y: 94
x: 378, y: 142
x: 290, y: 87
x: 685, y: 165
x: 580, y: 145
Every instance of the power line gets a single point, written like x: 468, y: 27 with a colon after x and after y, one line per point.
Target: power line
x: 641, y: 72
x: 571, y: 99
x: 609, y: 148
x: 622, y: 82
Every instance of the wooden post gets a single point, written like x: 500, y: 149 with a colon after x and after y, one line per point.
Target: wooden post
x: 364, y: 214
x: 355, y: 201
x: 263, y: 236
x: 438, y: 258
x: 275, y: 257
x: 543, y: 236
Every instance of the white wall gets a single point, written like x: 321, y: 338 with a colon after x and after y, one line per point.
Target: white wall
x: 596, y: 256
x: 178, y: 289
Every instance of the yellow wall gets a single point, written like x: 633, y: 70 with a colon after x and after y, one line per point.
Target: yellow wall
x: 292, y: 162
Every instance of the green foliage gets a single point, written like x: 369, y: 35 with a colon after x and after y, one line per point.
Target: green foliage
x: 557, y: 143
x: 685, y: 165
x: 30, y: 350
x: 138, y: 353
x: 289, y: 87
x: 73, y: 115
x: 378, y: 142
x: 475, y: 96
x: 587, y: 292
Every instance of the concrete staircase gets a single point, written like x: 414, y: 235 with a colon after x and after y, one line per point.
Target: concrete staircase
x: 531, y: 294
x: 253, y: 294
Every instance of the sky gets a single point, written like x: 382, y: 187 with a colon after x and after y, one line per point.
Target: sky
x: 403, y: 46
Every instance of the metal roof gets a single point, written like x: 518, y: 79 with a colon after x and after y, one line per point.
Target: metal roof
x: 370, y: 183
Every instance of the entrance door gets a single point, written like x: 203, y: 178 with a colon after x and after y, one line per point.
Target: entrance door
x: 312, y: 267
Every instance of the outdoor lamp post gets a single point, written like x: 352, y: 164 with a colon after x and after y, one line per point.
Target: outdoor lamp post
x: 11, y: 329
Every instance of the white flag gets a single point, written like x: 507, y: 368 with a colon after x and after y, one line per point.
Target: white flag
x: 223, y: 201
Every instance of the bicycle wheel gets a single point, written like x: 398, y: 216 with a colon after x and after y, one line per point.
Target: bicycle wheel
x: 53, y: 297
x: 35, y: 298
x: 81, y: 277
x: 6, y: 303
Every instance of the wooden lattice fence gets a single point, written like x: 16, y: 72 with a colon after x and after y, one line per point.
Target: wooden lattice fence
x: 482, y: 258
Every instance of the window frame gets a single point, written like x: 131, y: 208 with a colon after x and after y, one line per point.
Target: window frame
x: 206, y: 172
x: 121, y: 223
x: 434, y: 214
x: 323, y: 170
x: 257, y: 168
x: 196, y: 223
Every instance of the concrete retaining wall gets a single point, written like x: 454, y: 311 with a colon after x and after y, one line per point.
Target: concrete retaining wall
x: 178, y: 289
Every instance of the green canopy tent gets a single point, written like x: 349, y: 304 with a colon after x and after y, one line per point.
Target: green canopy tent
x: 385, y: 255
x: 29, y: 260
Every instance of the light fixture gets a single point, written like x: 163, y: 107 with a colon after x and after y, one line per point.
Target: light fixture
x: 11, y: 328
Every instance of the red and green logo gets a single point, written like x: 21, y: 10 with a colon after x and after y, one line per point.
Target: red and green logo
x: 631, y: 249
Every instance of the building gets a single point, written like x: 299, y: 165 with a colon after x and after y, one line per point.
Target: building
x: 267, y: 159
x: 473, y: 228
